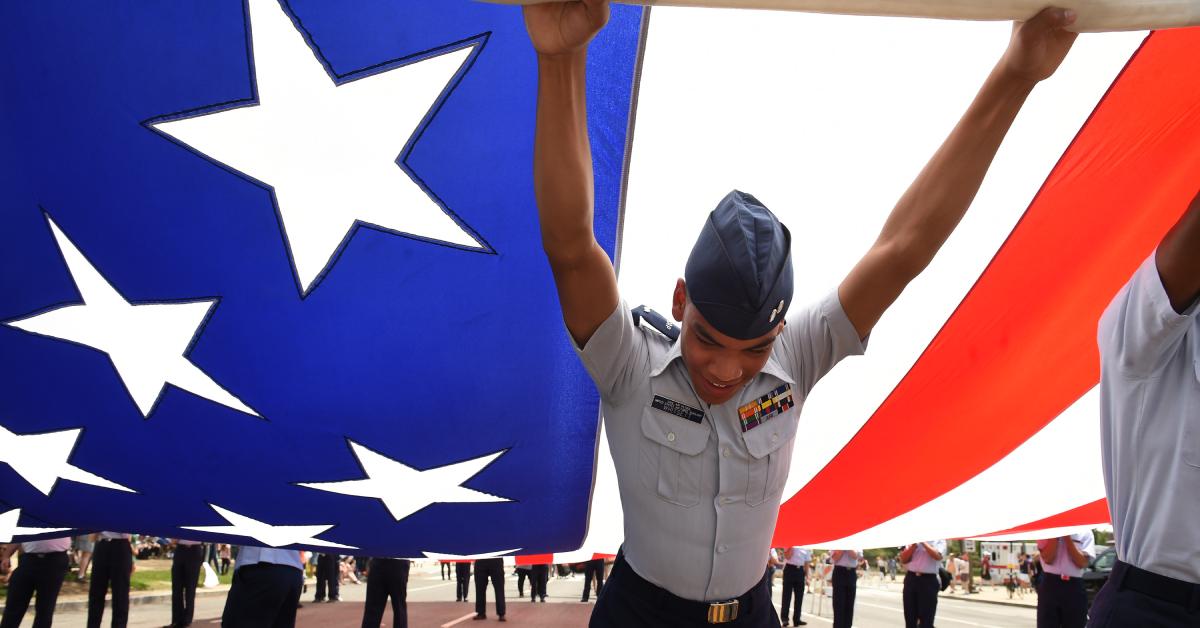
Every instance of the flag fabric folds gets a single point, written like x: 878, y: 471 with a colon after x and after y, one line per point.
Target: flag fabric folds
x: 270, y: 272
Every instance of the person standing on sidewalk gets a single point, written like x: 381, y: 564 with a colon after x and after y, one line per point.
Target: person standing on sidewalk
x: 1062, y: 600
x: 845, y: 586
x: 921, y: 583
x: 462, y: 585
x: 795, y: 575
x: 493, y: 568
x: 387, y: 577
x: 112, y: 564
x: 1149, y: 340
x: 266, y: 589
x: 328, y: 578
x: 44, y: 565
x: 185, y: 572
x: 592, y: 570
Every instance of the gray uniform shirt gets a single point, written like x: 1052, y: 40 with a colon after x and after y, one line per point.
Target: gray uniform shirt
x: 1150, y: 426
x: 701, y: 485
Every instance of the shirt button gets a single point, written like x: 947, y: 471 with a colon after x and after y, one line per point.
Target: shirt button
x: 721, y: 549
x: 671, y: 436
x: 725, y: 452
x: 774, y: 437
x: 726, y: 500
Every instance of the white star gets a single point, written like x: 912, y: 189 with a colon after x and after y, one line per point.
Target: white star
x: 329, y: 151
x: 405, y: 490
x: 41, y: 459
x: 267, y: 534
x: 9, y: 527
x: 440, y: 556
x: 146, y: 343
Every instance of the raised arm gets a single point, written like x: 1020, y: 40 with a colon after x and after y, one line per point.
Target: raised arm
x: 1178, y: 259
x: 562, y: 163
x: 939, y: 197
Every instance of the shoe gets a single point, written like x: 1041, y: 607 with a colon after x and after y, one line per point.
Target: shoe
x: 501, y: 618
x: 479, y: 617
x: 800, y: 622
x: 458, y: 599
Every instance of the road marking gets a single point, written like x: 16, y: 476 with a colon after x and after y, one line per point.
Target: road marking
x: 939, y: 619
x: 432, y: 586
x: 459, y: 620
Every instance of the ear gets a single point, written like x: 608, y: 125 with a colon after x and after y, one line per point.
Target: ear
x: 679, y: 300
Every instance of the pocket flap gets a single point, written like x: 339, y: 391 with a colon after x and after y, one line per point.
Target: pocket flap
x: 767, y: 437
x: 675, y: 432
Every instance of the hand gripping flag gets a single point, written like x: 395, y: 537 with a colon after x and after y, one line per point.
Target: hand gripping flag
x: 270, y: 273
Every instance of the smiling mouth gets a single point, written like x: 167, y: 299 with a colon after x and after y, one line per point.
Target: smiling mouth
x: 719, y: 386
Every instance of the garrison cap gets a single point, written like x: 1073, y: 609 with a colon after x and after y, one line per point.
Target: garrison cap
x: 739, y: 274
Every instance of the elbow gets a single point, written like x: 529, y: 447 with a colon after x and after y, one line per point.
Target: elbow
x: 904, y: 257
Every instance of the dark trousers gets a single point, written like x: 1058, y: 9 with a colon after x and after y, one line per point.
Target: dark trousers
x: 1061, y: 603
x: 1117, y: 606
x: 593, y: 569
x: 793, y: 584
x: 327, y: 577
x: 462, y: 572
x: 845, y: 588
x: 489, y: 568
x: 539, y: 575
x: 112, y: 560
x: 40, y: 574
x: 629, y: 601
x: 387, y: 577
x: 920, y: 599
x: 263, y: 595
x: 446, y: 570
x: 185, y: 572
x: 522, y: 574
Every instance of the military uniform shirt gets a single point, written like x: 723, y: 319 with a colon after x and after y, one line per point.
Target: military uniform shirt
x: 1063, y: 565
x: 1150, y: 426
x: 46, y: 545
x: 849, y: 559
x: 922, y: 562
x: 700, y: 485
x: 800, y: 556
x: 250, y: 555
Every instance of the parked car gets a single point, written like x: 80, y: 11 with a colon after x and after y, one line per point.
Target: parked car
x: 1097, y: 572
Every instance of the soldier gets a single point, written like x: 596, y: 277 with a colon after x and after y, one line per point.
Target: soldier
x: 44, y: 566
x: 845, y: 586
x: 1062, y: 600
x: 702, y: 429
x: 492, y: 568
x: 112, y: 563
x: 387, y: 577
x: 265, y: 590
x: 921, y: 582
x: 185, y: 573
x: 1150, y: 436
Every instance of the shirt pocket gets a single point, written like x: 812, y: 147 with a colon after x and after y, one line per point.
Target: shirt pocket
x: 770, y: 449
x: 671, y: 463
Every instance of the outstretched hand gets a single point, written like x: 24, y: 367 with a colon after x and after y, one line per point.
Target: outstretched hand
x: 563, y: 27
x: 1039, y: 45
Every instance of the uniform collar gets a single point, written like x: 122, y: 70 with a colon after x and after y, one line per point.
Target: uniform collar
x: 772, y: 367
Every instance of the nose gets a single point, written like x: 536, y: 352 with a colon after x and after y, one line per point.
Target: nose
x: 726, y: 371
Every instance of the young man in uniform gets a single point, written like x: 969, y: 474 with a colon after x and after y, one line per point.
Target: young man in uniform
x: 845, y: 586
x: 701, y: 430
x: 921, y: 582
x: 1150, y: 434
x: 795, y: 578
x: 266, y: 589
x: 185, y: 575
x: 44, y: 566
x: 1062, y: 600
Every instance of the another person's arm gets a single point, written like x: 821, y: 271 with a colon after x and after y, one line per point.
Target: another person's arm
x: 939, y: 197
x: 1178, y: 259
x: 562, y: 163
x: 906, y: 554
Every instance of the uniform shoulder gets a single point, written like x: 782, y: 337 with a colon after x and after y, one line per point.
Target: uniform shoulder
x: 655, y: 321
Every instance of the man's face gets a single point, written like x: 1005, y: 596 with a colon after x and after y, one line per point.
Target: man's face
x: 718, y: 365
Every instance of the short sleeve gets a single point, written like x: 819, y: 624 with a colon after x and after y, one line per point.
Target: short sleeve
x: 1140, y: 330
x: 616, y: 356
x: 940, y: 546
x: 816, y: 339
x: 1086, y: 542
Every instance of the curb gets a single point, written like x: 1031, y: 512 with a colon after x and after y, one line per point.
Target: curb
x: 81, y: 604
x: 979, y: 600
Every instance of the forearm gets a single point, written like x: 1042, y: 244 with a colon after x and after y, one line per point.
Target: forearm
x: 1178, y: 259
x: 932, y: 551
x: 562, y: 160
x: 906, y: 555
x: 939, y: 197
x: 1077, y: 557
x: 1049, y: 550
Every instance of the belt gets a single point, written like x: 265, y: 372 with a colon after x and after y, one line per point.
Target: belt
x: 1164, y: 588
x: 712, y: 612
x: 43, y: 554
x: 918, y: 574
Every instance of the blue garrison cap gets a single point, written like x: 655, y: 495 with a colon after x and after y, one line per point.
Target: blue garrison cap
x: 739, y: 274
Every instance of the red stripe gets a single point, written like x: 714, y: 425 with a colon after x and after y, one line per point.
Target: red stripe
x: 535, y: 559
x: 1021, y: 347
x: 1081, y: 517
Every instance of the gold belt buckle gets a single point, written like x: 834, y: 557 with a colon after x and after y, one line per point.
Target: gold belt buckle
x: 722, y: 612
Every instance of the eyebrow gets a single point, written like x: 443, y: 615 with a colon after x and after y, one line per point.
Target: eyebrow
x: 704, y: 335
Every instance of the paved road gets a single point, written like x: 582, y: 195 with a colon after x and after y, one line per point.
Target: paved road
x: 430, y: 604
